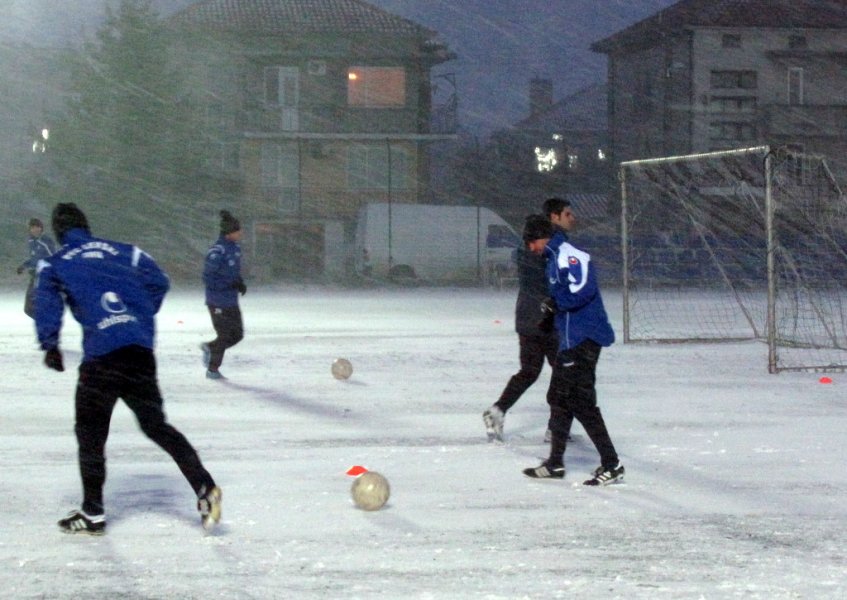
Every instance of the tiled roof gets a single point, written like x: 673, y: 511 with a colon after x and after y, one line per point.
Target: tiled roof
x: 812, y: 14
x: 583, y: 110
x: 281, y: 17
x: 589, y: 207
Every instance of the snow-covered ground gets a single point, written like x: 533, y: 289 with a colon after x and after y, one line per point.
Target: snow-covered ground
x: 736, y: 486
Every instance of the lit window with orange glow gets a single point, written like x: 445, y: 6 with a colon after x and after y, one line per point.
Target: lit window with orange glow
x: 376, y: 87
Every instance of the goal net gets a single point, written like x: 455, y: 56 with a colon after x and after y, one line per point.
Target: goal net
x: 746, y: 244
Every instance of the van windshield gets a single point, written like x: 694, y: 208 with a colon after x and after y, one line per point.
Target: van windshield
x: 501, y: 236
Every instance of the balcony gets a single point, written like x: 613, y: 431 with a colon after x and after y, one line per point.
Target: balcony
x: 803, y: 120
x: 344, y: 120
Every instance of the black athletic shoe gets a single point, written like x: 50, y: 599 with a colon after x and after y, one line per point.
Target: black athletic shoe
x: 78, y: 521
x: 546, y: 471
x: 603, y: 476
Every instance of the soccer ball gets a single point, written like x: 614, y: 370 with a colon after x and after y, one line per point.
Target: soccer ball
x: 342, y: 368
x: 370, y: 491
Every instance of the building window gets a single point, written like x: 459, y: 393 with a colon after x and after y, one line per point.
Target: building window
x: 223, y: 156
x: 282, y: 86
x: 368, y: 168
x: 733, y: 104
x: 737, y: 131
x: 731, y: 40
x: 272, y: 86
x: 546, y: 159
x: 282, y: 90
x: 795, y: 86
x: 376, y: 87
x: 280, y: 173
x: 797, y: 42
x: 738, y: 80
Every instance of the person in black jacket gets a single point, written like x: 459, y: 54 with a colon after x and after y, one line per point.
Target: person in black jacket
x: 537, y: 338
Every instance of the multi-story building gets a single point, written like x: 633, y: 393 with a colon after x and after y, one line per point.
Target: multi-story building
x: 705, y: 75
x: 312, y: 108
x: 568, y: 141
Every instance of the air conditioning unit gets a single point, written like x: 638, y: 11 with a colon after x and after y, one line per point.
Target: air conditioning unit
x: 316, y: 67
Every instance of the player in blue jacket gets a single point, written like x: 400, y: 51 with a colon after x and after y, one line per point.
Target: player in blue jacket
x: 584, y: 329
x: 114, y: 291
x: 222, y: 276
x: 40, y: 246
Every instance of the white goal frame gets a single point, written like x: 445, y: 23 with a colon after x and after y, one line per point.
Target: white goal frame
x: 763, y: 321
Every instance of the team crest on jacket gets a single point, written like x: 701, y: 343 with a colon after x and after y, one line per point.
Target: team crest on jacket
x: 112, y: 303
x: 573, y: 260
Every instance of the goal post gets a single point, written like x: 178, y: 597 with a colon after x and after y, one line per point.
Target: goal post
x: 746, y: 244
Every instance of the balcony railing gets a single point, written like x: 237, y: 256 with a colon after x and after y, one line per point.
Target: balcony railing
x: 803, y: 120
x: 331, y: 119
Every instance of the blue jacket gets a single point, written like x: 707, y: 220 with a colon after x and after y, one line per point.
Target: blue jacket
x: 222, y: 272
x: 573, y: 285
x: 39, y: 247
x: 113, y: 290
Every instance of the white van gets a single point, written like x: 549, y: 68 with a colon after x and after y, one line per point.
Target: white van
x: 433, y: 243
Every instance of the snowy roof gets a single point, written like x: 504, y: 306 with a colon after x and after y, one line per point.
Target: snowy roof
x: 812, y: 14
x: 280, y: 17
x: 584, y: 110
x: 589, y: 207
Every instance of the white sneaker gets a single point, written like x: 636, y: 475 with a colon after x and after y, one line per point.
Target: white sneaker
x: 493, y: 419
x: 209, y: 507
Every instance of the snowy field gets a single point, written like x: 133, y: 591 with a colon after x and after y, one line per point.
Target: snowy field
x: 736, y: 485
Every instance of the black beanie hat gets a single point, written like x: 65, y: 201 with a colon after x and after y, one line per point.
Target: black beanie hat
x: 229, y: 224
x: 537, y: 227
x: 36, y: 222
x: 67, y: 216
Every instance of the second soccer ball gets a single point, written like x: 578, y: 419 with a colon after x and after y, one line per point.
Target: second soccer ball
x: 342, y: 368
x: 370, y: 491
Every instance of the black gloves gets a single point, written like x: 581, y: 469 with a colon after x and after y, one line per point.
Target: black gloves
x: 19, y: 270
x: 240, y: 286
x: 548, y: 315
x: 53, y: 360
x: 548, y: 305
